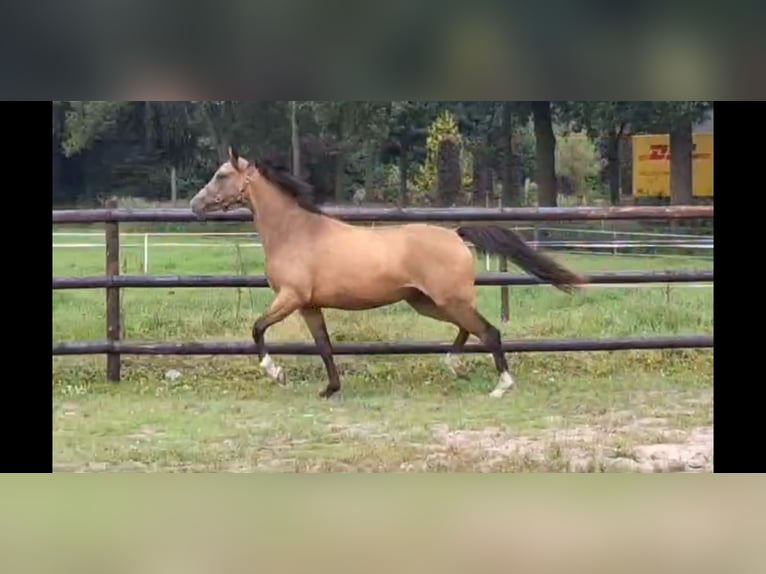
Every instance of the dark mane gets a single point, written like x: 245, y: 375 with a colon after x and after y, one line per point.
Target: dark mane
x: 302, y: 191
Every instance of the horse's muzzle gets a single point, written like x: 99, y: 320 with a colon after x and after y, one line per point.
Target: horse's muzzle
x: 197, y: 208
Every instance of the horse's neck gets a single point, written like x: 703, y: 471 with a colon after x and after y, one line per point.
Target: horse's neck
x: 279, y: 217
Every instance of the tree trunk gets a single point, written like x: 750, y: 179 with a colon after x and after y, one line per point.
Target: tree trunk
x: 340, y: 158
x: 173, y: 185
x: 218, y: 127
x: 148, y: 131
x: 476, y: 183
x: 340, y: 172
x: 545, y: 147
x: 613, y: 165
x: 295, y: 139
x: 480, y: 174
x: 626, y: 165
x: 449, y: 176
x: 490, y: 183
x: 511, y: 190
x: 404, y: 166
x: 369, y: 167
x: 681, y: 145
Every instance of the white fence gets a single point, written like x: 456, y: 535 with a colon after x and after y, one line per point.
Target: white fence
x: 614, y: 240
x: 146, y: 243
x: 604, y: 241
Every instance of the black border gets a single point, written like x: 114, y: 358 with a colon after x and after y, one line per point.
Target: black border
x: 737, y: 174
x: 27, y: 421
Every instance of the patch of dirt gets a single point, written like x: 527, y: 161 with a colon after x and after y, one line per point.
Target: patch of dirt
x: 647, y: 445
x: 145, y: 433
x: 70, y: 409
x: 693, y: 453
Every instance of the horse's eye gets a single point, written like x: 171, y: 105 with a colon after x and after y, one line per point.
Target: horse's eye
x: 221, y: 176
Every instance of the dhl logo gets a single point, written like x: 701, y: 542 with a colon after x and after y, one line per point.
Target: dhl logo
x: 661, y: 152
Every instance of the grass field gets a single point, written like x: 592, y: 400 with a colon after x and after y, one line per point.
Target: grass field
x: 626, y: 410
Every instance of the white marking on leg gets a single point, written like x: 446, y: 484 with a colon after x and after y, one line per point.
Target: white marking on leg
x: 272, y: 369
x: 505, y: 383
x: 452, y: 362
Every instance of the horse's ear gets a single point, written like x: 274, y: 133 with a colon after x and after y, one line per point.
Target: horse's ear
x: 234, y: 157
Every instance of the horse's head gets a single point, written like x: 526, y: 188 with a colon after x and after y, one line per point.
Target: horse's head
x: 227, y: 188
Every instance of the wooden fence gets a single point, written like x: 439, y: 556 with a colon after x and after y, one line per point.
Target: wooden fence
x: 113, y: 282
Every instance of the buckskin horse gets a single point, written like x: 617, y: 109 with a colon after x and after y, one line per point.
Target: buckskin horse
x: 315, y: 261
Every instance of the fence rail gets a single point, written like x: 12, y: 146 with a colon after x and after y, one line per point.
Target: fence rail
x: 483, y: 279
x: 412, y: 214
x: 381, y: 348
x: 112, y: 282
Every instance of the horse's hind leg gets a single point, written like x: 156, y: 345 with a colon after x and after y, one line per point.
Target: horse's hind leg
x: 472, y: 321
x: 316, y: 324
x: 424, y: 305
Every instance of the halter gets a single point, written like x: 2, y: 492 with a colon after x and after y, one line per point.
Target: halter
x: 241, y: 195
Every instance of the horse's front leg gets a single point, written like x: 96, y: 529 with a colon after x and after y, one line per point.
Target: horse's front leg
x: 284, y: 304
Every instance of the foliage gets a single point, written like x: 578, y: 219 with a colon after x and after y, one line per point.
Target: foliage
x: 444, y: 127
x: 608, y: 121
x: 598, y: 118
x: 86, y: 122
x: 524, y: 149
x: 351, y: 123
x: 129, y: 147
x: 578, y: 161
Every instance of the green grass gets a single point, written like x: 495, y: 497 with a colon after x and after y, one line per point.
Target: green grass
x: 395, y: 413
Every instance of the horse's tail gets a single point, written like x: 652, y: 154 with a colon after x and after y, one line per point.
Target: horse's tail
x: 503, y: 241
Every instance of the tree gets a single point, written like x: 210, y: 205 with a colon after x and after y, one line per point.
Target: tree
x: 147, y: 137
x: 443, y: 127
x: 218, y: 117
x: 449, y: 172
x: 514, y: 114
x: 170, y: 129
x: 483, y: 129
x: 610, y: 120
x: 546, y: 153
x: 613, y: 119
x: 407, y: 132
x: 295, y: 139
x: 86, y: 122
x: 683, y: 115
x: 349, y: 126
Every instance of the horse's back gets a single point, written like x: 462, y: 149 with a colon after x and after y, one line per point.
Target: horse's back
x: 357, y: 267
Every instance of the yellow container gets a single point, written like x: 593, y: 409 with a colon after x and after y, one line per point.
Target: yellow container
x: 651, y: 165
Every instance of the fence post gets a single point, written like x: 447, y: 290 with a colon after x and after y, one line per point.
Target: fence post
x: 146, y: 253
x: 503, y: 268
x: 112, y: 232
x: 504, y: 303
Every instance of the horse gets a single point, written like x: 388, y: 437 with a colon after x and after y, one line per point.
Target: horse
x: 314, y: 261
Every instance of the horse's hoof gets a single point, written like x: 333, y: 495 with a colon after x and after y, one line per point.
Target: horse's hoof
x: 281, y: 377
x: 497, y: 394
x: 453, y: 364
